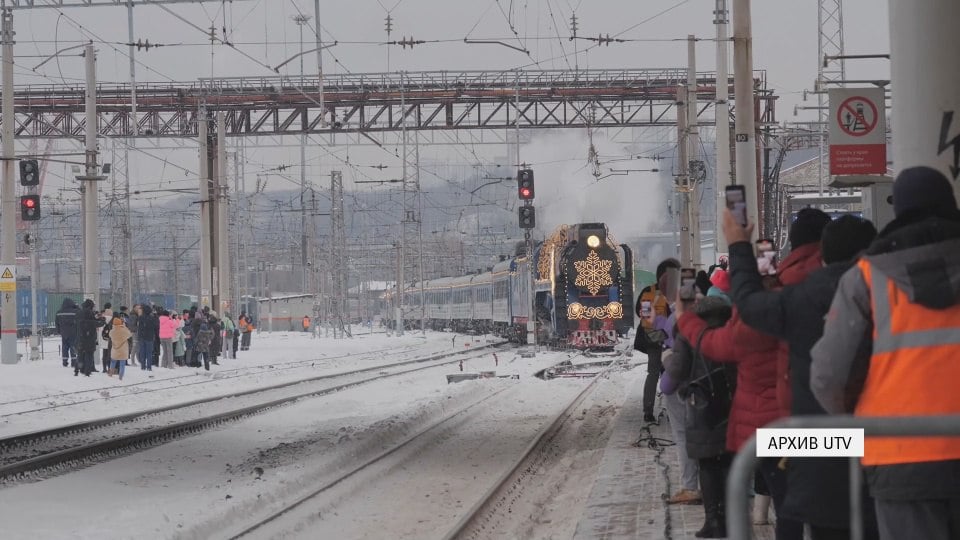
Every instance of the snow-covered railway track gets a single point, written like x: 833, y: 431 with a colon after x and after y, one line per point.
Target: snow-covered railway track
x: 472, y: 524
x: 408, y: 468
x: 49, y: 452
x: 195, y: 377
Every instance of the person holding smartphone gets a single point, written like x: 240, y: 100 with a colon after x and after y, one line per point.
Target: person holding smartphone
x: 811, y: 490
x: 891, y: 348
x: 651, y: 303
x: 732, y: 416
x: 654, y: 335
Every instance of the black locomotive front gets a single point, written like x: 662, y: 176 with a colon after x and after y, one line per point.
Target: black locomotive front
x: 592, y: 292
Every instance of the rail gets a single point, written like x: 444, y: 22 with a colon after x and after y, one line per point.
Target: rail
x: 741, y: 471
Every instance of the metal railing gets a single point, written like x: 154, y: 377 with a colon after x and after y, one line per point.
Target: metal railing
x: 742, y: 469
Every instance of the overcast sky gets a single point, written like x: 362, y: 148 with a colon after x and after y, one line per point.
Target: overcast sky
x: 785, y: 40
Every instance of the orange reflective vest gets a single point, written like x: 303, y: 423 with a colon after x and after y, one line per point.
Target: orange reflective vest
x: 658, y: 303
x: 913, y: 371
x: 306, y: 322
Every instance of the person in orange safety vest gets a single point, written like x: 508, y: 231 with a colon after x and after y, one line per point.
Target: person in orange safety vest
x: 891, y: 347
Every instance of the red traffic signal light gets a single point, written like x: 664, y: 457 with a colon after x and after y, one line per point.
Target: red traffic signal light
x: 30, y: 207
x: 525, y: 184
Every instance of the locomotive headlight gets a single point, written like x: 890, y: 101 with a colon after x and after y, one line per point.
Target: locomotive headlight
x: 593, y: 241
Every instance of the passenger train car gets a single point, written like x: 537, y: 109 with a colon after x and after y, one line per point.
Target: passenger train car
x: 582, y: 281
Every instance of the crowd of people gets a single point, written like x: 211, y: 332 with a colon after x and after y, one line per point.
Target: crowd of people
x: 147, y: 336
x: 851, y: 322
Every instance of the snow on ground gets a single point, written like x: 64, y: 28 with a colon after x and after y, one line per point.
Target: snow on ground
x: 423, y: 490
x: 196, y: 486
x: 42, y: 394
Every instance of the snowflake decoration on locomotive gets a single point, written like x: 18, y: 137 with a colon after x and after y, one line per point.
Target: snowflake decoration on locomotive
x: 593, y: 273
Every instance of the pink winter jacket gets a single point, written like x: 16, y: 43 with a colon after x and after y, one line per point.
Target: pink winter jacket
x: 168, y: 327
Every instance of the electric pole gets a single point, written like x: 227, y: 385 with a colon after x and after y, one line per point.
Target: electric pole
x: 302, y: 20
x: 8, y: 220
x: 220, y: 238
x: 91, y: 242
x: 206, y: 270
x: 683, y: 180
x: 722, y: 117
x: 411, y: 252
x: 338, y: 259
x: 746, y: 147
x: 696, y: 171
x: 131, y: 143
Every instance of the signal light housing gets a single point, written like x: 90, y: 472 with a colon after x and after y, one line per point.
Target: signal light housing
x: 29, y: 172
x: 525, y: 184
x: 30, y: 207
x: 528, y: 217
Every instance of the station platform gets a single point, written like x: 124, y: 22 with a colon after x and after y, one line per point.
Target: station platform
x: 628, y: 499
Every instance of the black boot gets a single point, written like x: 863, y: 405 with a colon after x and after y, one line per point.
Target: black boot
x: 714, y: 526
x: 713, y: 473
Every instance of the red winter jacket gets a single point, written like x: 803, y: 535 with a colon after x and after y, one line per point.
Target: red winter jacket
x: 794, y: 269
x: 755, y: 399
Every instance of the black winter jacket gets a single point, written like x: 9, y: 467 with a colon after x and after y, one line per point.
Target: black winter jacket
x: 88, y: 330
x: 818, y: 488
x: 706, y: 419
x: 148, y: 325
x: 66, y: 319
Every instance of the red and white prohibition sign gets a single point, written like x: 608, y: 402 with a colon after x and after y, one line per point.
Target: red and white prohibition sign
x: 857, y: 116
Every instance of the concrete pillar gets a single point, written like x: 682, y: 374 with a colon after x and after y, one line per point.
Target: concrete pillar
x: 925, y: 117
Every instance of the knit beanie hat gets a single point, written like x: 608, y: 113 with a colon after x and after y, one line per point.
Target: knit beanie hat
x: 715, y: 292
x: 715, y: 311
x: 923, y: 188
x: 808, y: 227
x: 720, y: 279
x: 88, y: 304
x: 845, y: 237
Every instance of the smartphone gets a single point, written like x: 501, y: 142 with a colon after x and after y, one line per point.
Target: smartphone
x: 672, y: 288
x: 766, y: 257
x: 688, y: 284
x: 646, y: 308
x: 736, y: 197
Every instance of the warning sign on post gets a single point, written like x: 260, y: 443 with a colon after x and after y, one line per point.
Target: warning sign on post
x: 8, y: 279
x: 858, y: 131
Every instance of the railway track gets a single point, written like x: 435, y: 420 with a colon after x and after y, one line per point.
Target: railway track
x: 78, y: 397
x: 50, y: 452
x: 498, y: 495
x: 435, y: 429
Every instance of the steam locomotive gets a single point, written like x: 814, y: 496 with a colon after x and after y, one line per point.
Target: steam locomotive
x: 581, y: 282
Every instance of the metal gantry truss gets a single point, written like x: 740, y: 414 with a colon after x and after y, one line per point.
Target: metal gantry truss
x: 410, y: 267
x: 371, y: 103
x: 829, y: 44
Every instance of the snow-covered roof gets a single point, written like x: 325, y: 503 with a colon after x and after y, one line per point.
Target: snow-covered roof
x: 372, y: 286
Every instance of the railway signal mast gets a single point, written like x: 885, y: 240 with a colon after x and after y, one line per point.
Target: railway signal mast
x: 528, y: 220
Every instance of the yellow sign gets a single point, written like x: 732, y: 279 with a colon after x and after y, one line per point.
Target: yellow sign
x: 8, y: 279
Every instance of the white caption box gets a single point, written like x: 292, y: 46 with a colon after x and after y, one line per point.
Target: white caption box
x: 809, y: 443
